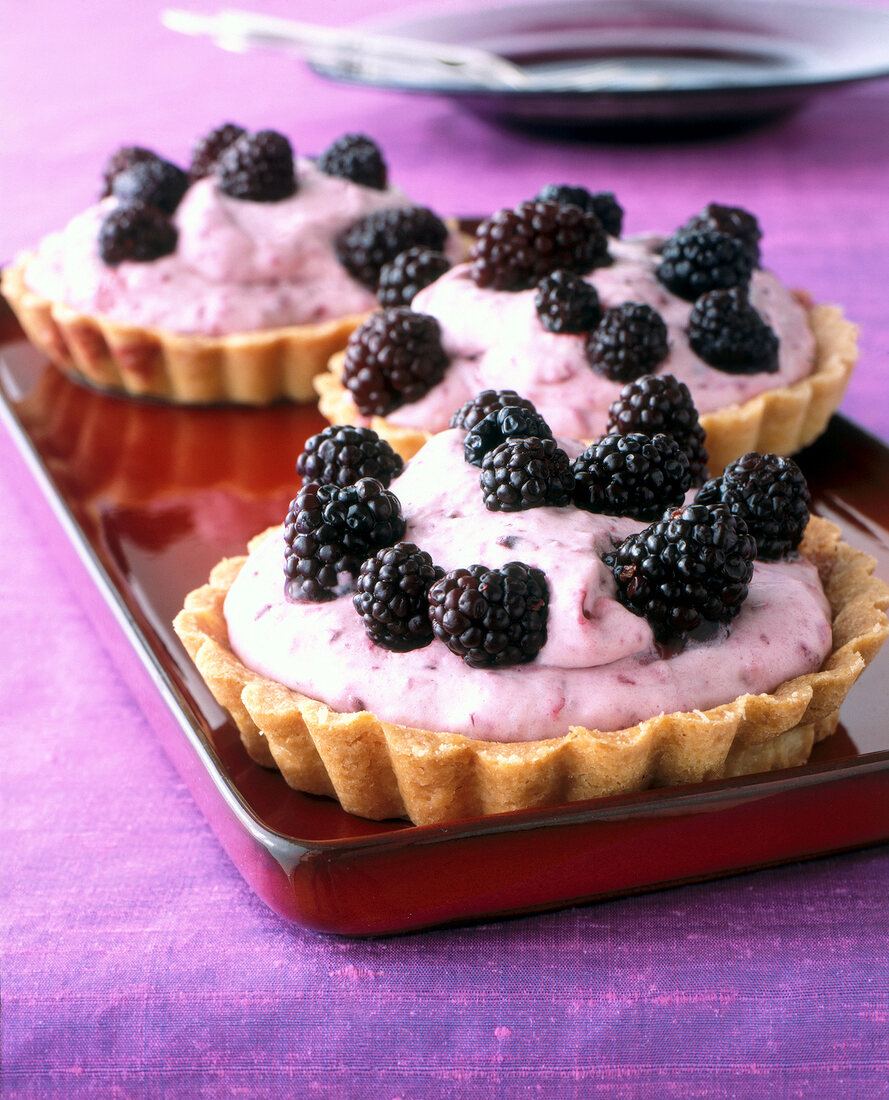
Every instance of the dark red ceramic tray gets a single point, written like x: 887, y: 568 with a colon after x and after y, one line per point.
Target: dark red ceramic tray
x: 142, y: 500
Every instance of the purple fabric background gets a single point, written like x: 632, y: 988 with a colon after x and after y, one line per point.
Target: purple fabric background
x: 135, y: 961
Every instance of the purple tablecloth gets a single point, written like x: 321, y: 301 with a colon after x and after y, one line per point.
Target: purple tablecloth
x: 135, y: 961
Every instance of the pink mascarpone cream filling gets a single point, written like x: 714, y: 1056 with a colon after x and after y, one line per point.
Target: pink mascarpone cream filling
x: 600, y: 667
x: 495, y: 341
x: 238, y: 267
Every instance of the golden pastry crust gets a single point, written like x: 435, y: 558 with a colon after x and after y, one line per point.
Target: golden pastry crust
x: 377, y: 769
x: 254, y: 368
x: 780, y: 421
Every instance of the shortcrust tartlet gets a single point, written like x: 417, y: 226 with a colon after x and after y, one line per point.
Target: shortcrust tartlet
x: 765, y: 366
x: 560, y: 688
x: 234, y: 282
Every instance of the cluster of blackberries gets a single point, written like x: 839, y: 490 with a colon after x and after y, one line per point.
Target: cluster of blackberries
x: 709, y: 262
x: 148, y: 189
x: 342, y: 531
x: 257, y: 167
x: 695, y: 564
x: 371, y: 242
x: 651, y: 455
x: 621, y: 343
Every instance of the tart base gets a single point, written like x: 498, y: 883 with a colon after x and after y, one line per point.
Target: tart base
x: 779, y: 421
x: 255, y: 368
x: 378, y: 769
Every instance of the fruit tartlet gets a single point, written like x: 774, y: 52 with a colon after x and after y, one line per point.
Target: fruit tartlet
x: 510, y: 620
x: 555, y: 304
x: 234, y: 281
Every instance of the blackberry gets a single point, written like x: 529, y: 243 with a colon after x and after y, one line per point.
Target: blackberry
x: 770, y: 495
x: 631, y: 475
x: 514, y: 249
x: 355, y: 157
x: 694, y: 565
x: 732, y: 220
x: 660, y: 403
x: 491, y: 617
x: 629, y: 341
x: 567, y: 303
x: 526, y: 473
x: 343, y: 454
x: 509, y: 422
x: 156, y: 182
x: 475, y: 410
x: 258, y: 168
x: 392, y: 359
x: 601, y: 203
x: 120, y: 160
x: 207, y: 150
x: 376, y: 239
x: 402, y: 278
x: 697, y: 260
x: 726, y: 331
x: 392, y: 596
x: 136, y: 232
x: 330, y: 530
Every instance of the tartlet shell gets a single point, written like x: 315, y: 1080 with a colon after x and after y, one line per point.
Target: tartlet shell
x: 253, y: 368
x: 378, y: 769
x: 780, y: 421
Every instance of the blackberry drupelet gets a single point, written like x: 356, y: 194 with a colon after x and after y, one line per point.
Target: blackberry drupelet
x: 156, y: 182
x: 770, y: 495
x: 136, y: 232
x: 514, y: 249
x: 491, y: 617
x: 510, y: 422
x: 601, y: 203
x: 567, y: 303
x: 207, y: 150
x: 732, y: 220
x: 392, y: 596
x: 343, y: 454
x: 258, y: 167
x: 726, y: 331
x: 393, y: 358
x: 331, y: 530
x: 357, y: 158
x: 660, y: 403
x: 376, y: 239
x: 692, y: 566
x: 120, y: 160
x: 402, y: 278
x: 631, y: 475
x: 526, y: 473
x: 695, y: 261
x: 475, y: 410
x: 629, y: 341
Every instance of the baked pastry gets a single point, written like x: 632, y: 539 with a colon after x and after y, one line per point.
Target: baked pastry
x: 567, y: 323
x: 234, y: 282
x: 351, y: 660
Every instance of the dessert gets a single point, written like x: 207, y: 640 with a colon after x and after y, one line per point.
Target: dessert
x: 233, y: 282
x: 450, y: 639
x: 556, y: 305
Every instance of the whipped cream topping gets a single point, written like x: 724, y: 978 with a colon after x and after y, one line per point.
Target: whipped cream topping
x: 495, y: 341
x: 600, y: 667
x: 238, y: 267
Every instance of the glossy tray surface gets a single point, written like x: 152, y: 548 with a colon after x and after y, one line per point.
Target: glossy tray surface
x: 141, y: 501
